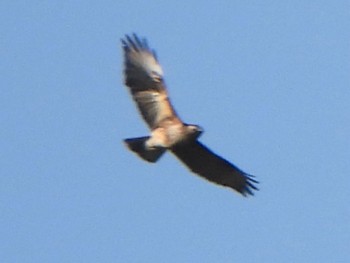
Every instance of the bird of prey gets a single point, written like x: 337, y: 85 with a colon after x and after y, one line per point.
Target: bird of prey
x: 144, y: 78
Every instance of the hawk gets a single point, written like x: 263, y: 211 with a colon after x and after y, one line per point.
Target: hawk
x: 144, y: 78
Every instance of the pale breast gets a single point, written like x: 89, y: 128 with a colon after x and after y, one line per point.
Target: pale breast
x: 175, y: 133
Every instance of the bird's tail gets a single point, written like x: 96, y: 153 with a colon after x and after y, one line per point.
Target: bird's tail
x: 138, y: 145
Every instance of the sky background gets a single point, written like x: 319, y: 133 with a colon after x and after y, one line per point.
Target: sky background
x: 268, y: 80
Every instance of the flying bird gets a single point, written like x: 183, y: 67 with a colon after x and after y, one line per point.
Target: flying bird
x: 144, y: 78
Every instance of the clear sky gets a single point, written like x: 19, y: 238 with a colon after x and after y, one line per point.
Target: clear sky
x: 268, y: 80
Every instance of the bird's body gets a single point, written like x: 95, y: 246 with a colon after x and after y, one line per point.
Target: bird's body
x: 168, y: 134
x: 144, y: 77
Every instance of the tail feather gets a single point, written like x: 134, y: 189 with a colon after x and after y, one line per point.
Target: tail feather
x: 138, y: 145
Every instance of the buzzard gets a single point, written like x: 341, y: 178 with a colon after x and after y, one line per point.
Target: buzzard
x: 144, y: 78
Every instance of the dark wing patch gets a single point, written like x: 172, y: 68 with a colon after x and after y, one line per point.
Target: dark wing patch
x: 202, y: 161
x: 144, y: 77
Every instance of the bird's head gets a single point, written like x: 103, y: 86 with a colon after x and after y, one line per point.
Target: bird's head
x: 194, y: 131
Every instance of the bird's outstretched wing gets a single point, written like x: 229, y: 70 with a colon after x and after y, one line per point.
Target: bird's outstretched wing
x: 144, y: 77
x: 202, y: 161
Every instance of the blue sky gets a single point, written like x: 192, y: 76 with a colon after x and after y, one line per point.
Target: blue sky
x: 269, y: 82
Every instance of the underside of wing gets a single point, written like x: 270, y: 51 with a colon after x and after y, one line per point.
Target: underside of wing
x: 144, y: 77
x: 202, y: 161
